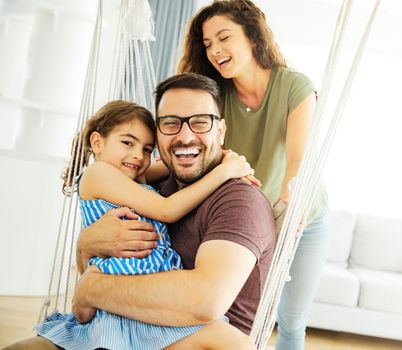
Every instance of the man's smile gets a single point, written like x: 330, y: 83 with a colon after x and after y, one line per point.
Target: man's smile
x: 186, y: 155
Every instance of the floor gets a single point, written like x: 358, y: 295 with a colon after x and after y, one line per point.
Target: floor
x: 19, y: 314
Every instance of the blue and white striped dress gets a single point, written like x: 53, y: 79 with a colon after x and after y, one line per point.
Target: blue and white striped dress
x: 107, y: 330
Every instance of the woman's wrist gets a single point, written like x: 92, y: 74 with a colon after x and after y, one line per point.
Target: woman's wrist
x: 281, y: 201
x: 279, y: 207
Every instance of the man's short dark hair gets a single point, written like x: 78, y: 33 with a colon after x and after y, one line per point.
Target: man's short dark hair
x: 190, y: 81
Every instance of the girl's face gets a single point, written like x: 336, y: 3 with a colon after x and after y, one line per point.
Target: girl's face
x: 128, y: 147
x: 227, y: 47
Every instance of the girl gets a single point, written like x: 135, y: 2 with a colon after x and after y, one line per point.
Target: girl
x: 121, y: 137
x: 267, y: 108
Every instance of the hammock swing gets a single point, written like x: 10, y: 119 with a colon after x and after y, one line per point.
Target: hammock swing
x: 130, y: 82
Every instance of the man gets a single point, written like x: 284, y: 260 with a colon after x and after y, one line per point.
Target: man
x: 226, y: 244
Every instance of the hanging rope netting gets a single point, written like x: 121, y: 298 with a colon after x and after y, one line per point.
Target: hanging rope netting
x: 133, y: 79
x: 319, y: 141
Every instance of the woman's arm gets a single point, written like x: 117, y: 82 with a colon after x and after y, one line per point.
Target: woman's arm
x: 298, y: 126
x: 102, y: 180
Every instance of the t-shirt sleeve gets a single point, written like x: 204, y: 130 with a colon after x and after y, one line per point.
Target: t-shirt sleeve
x: 301, y: 86
x: 241, y: 214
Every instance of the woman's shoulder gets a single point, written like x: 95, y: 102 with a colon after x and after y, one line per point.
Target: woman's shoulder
x: 291, y: 76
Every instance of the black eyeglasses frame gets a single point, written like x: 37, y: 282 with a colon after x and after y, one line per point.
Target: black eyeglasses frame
x: 187, y: 120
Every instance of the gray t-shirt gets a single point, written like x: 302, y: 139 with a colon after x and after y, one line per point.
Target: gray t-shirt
x: 235, y: 212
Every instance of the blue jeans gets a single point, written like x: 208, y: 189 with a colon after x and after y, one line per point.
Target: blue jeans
x: 298, y: 294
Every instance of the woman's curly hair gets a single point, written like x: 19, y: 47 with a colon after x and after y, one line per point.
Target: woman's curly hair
x: 251, y: 18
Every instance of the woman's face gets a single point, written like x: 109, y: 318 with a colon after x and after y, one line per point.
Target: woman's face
x: 227, y: 47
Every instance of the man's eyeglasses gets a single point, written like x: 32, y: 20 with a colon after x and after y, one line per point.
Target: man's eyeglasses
x: 198, y: 123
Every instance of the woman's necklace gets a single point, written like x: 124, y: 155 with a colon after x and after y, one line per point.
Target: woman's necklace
x: 241, y: 99
x: 247, y: 107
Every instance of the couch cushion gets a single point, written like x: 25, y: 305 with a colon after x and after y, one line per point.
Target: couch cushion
x: 377, y: 243
x: 342, y: 224
x: 380, y: 290
x: 337, y: 286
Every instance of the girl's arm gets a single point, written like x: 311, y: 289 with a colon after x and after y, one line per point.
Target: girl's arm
x: 299, y: 121
x: 102, y: 180
x: 157, y: 171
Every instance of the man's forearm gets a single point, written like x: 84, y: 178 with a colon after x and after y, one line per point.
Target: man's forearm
x: 173, y: 298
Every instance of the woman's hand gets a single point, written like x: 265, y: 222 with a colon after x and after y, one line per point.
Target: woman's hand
x: 279, y: 211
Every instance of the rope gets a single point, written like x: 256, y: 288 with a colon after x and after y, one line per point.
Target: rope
x: 150, y: 72
x: 140, y: 82
x: 330, y: 63
x: 90, y: 91
x: 116, y: 57
x: 132, y: 59
x: 88, y: 85
x: 126, y: 60
x: 306, y: 183
x: 91, y: 94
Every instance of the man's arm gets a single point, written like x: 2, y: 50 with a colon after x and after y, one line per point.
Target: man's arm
x: 174, y: 298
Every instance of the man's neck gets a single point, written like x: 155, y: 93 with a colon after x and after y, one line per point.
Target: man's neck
x: 181, y: 185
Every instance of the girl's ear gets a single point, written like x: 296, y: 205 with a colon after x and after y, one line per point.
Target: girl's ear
x: 96, y: 141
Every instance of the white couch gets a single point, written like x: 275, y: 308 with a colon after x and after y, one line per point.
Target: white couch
x: 361, y: 286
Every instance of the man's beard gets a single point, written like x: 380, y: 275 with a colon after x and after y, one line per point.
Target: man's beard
x: 204, y: 169
x: 205, y: 166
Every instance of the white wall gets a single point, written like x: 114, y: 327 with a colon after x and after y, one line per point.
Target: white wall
x: 30, y: 210
x: 41, y: 85
x: 44, y: 54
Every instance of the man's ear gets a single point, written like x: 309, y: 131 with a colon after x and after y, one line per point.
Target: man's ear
x: 222, y: 131
x: 96, y: 141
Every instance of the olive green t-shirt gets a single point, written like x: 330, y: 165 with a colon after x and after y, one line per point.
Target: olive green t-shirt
x: 260, y: 134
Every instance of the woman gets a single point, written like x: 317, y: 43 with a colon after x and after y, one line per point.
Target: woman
x: 268, y: 109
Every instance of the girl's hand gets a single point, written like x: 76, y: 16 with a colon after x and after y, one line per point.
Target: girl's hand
x: 251, y: 180
x: 235, y: 166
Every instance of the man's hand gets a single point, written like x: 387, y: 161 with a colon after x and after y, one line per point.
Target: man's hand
x: 82, y: 312
x: 110, y: 236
